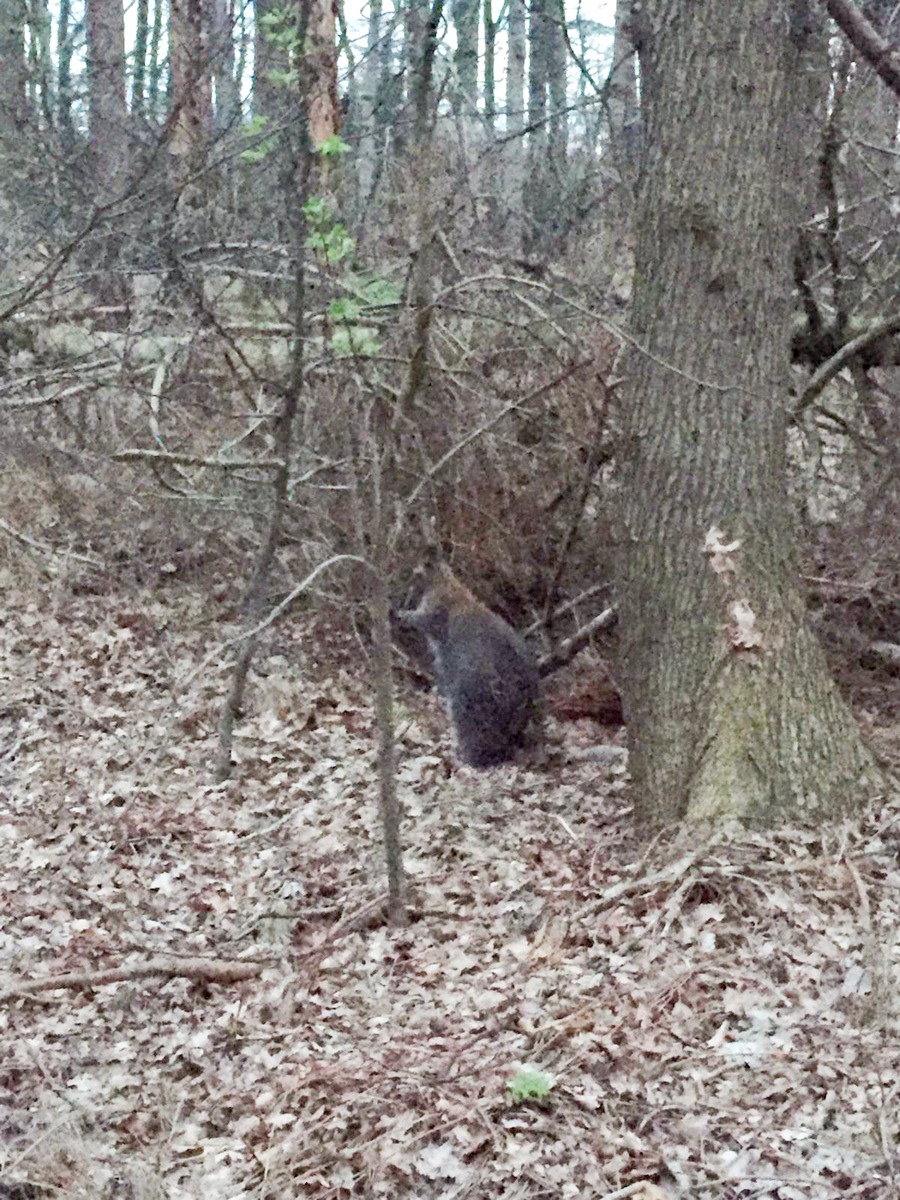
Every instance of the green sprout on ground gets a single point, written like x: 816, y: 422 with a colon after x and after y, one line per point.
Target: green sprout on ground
x: 529, y: 1084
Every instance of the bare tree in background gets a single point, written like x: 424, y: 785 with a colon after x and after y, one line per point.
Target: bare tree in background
x: 64, y: 40
x: 515, y: 71
x: 13, y: 73
x: 547, y: 120
x: 223, y: 63
x: 622, y: 101
x: 465, y: 24
x: 109, y: 144
x: 108, y: 107
x: 191, y: 104
x: 370, y: 74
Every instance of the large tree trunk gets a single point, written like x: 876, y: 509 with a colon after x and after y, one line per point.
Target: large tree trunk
x: 730, y: 706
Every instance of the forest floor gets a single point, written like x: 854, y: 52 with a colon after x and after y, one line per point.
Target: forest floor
x: 570, y: 1013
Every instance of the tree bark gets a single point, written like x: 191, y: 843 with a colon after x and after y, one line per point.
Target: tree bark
x: 465, y: 24
x: 64, y: 75
x: 13, y: 74
x: 370, y: 73
x: 730, y: 706
x: 191, y: 94
x: 320, y: 60
x: 108, y: 109
x: 228, y: 96
x: 515, y: 71
x: 490, y: 54
x: 108, y: 116
x: 141, y: 44
x: 622, y: 103
x: 154, y: 72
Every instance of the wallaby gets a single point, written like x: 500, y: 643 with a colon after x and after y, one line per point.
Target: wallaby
x: 485, y: 672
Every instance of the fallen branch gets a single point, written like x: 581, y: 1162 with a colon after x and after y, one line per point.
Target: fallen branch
x: 194, y: 460
x: 204, y: 970
x: 44, y: 548
x: 566, y: 651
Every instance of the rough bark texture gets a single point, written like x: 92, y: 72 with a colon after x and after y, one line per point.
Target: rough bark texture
x: 515, y: 71
x: 13, y: 75
x: 622, y: 102
x: 320, y: 60
x: 228, y: 94
x: 730, y: 706
x: 270, y: 99
x: 106, y: 71
x: 191, y: 92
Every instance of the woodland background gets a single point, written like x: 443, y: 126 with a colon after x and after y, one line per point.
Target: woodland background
x: 284, y: 287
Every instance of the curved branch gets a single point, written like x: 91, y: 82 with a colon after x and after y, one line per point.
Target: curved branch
x: 868, y: 41
x: 827, y: 371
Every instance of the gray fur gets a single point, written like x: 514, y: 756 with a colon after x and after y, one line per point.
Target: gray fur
x: 485, y: 673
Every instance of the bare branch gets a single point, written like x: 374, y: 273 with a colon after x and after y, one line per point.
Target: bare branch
x: 868, y: 41
x: 566, y: 651
x: 193, y: 460
x: 204, y: 970
x: 827, y: 371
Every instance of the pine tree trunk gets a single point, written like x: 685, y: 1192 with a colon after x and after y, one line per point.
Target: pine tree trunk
x: 731, y: 710
x: 64, y: 75
x: 106, y: 73
x: 321, y: 62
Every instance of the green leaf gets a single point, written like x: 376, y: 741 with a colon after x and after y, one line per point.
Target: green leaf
x: 354, y: 340
x: 332, y: 146
x: 255, y: 126
x: 375, y: 291
x: 529, y: 1084
x: 282, y: 78
x: 316, y: 210
x: 334, y: 244
x: 345, y: 308
x: 255, y: 154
